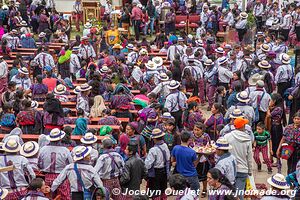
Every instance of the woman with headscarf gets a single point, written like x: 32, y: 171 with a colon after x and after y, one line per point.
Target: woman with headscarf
x: 81, y: 123
x: 53, y: 115
x: 98, y: 107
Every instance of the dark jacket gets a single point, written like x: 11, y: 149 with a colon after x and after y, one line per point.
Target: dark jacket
x: 133, y: 174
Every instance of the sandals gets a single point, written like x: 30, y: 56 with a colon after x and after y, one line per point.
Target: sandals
x: 203, y: 194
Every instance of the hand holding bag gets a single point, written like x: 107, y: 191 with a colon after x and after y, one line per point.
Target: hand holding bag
x: 87, y: 195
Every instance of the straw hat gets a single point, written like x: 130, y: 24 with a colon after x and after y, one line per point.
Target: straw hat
x: 264, y: 64
x: 254, y: 78
x: 143, y: 52
x: 227, y: 46
x: 84, y: 38
x: 285, y: 59
x: 173, y: 85
x: 260, y: 33
x: 76, y: 48
x: 85, y: 87
x: 243, y: 96
x: 130, y: 46
x: 104, y: 69
x: 222, y: 144
x: 278, y: 181
x: 23, y: 70
x: 249, y: 48
x: 151, y: 65
x: 14, y: 31
x: 220, y: 50
x: 23, y: 23
x: 29, y: 149
x: 42, y: 34
x: 163, y: 77
x: 200, y: 43
x: 157, y: 133
x: 117, y: 46
x: 208, y: 62
x: 3, y: 193
x: 260, y: 83
x: 180, y: 39
x: 56, y: 135
x: 167, y: 115
x: 223, y: 60
x: 88, y: 138
x: 244, y: 15
x: 60, y: 89
x: 34, y: 104
x: 236, y: 113
x: 77, y: 90
x: 80, y: 152
x: 265, y: 47
x: 158, y: 61
x: 87, y: 25
x: 11, y: 146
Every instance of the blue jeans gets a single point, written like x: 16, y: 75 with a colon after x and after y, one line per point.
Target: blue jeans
x: 193, y: 182
x: 240, y: 183
x: 152, y: 20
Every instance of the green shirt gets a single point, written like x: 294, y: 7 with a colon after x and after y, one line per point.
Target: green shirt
x: 262, y: 139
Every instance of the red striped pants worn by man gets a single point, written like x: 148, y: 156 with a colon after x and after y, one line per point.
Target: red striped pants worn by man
x: 264, y: 151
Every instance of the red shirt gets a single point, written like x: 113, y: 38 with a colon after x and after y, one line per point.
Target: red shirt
x: 137, y: 13
x: 51, y: 83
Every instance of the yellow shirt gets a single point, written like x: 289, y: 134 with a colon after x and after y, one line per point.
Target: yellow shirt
x: 112, y: 36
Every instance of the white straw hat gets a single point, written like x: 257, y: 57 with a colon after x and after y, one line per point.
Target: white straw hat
x: 222, y: 144
x: 56, y: 135
x: 80, y: 152
x: 60, y: 89
x: 88, y: 138
x: 29, y: 149
x: 243, y: 96
x: 278, y: 181
x: 158, y: 61
x: 11, y: 146
x: 173, y: 85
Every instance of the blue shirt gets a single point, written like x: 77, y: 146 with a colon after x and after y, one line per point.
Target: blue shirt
x: 185, y: 158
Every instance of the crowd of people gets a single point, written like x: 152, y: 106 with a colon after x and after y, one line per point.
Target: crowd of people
x: 156, y: 101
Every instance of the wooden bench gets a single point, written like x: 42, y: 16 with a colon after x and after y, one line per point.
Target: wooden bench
x: 96, y: 119
x: 74, y: 111
x: 30, y: 137
x: 114, y: 127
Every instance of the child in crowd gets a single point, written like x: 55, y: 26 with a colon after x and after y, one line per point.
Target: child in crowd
x: 7, y: 119
x: 171, y: 137
x: 262, y: 138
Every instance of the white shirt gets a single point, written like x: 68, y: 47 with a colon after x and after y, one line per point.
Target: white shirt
x: 74, y: 64
x: 175, y: 101
x: 87, y: 51
x: 174, y: 49
x: 3, y: 69
x: 44, y: 59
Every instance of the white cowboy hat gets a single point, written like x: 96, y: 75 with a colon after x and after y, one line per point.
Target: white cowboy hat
x: 173, y: 85
x: 56, y: 135
x: 85, y: 87
x: 208, y: 62
x: 243, y: 96
x: 34, y: 104
x: 158, y: 61
x: 151, y: 65
x: 29, y: 149
x: 167, y: 115
x: 278, y: 181
x: 130, y: 46
x: 23, y: 23
x: 80, y: 152
x: 117, y: 46
x: 200, y: 43
x: 244, y: 15
x: 60, y: 89
x: 223, y: 60
x: 88, y: 138
x: 77, y: 90
x: 104, y: 69
x: 227, y: 46
x: 76, y: 48
x: 11, y: 146
x: 220, y: 50
x: 236, y: 113
x: 264, y: 64
x: 23, y: 70
x: 265, y: 47
x: 143, y: 52
x: 3, y: 193
x: 254, y: 78
x: 285, y: 59
x: 88, y: 25
x: 157, y: 133
x: 42, y: 34
x: 163, y: 77
x: 180, y: 39
x: 14, y: 31
x: 222, y: 144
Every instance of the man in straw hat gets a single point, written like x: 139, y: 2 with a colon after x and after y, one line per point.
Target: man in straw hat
x: 242, y: 151
x: 224, y: 74
x: 75, y: 65
x: 226, y: 162
x: 162, y: 87
x: 60, y: 93
x: 267, y: 75
x: 158, y: 164
x: 13, y: 177
x: 13, y: 41
x: 241, y: 25
x: 110, y: 166
x: 236, y: 113
x: 132, y: 54
x: 151, y: 71
x: 284, y: 74
x: 22, y: 80
x: 83, y: 99
x: 88, y: 140
x: 79, y: 172
x: 53, y: 158
x: 3, y: 75
x: 174, y: 49
x: 211, y: 77
x: 86, y: 50
x: 244, y: 106
x: 260, y: 101
x: 176, y: 102
x: 30, y: 151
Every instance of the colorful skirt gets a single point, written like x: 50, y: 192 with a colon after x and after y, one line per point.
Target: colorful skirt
x: 16, y: 194
x: 293, y: 160
x: 111, y: 185
x: 63, y: 190
x: 202, y: 169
